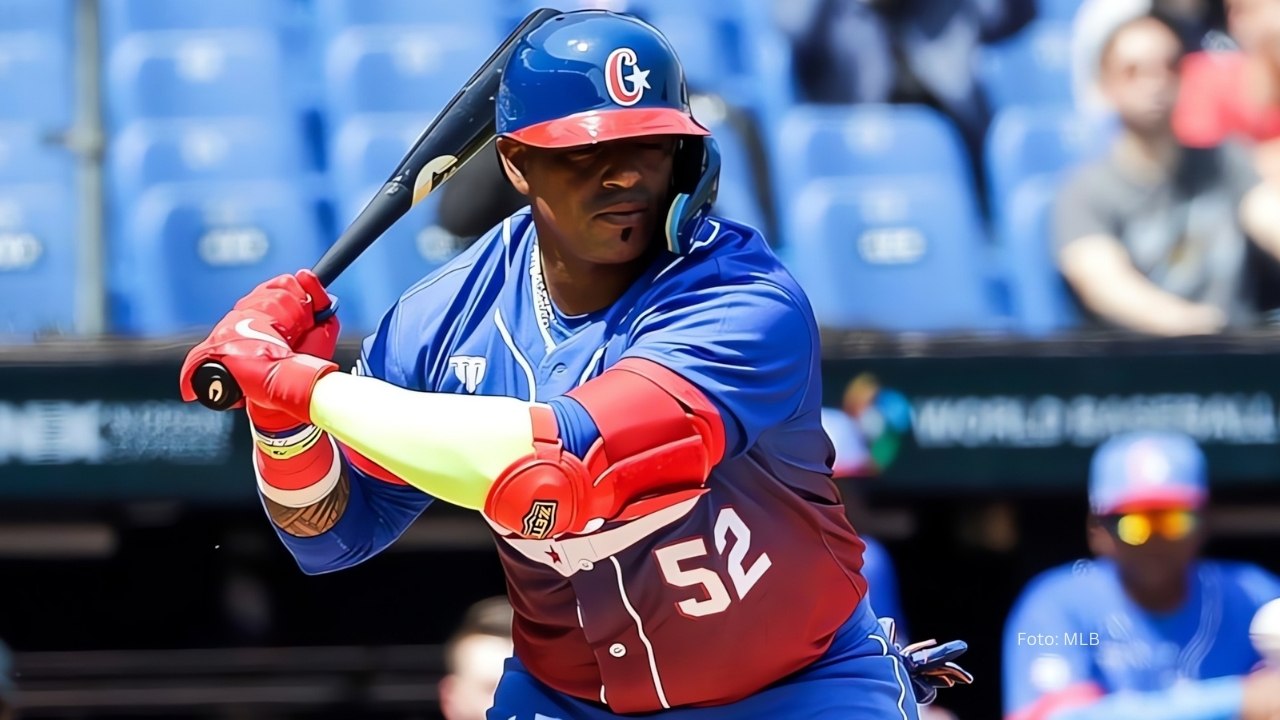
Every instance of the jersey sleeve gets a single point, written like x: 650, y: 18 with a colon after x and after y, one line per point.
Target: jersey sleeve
x: 751, y: 348
x: 1043, y: 673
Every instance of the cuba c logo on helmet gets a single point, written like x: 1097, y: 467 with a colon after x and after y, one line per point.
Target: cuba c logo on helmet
x: 623, y: 78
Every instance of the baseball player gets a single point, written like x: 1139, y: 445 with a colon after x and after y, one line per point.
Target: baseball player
x: 1147, y: 630
x: 625, y: 387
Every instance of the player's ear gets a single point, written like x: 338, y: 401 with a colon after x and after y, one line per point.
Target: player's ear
x: 512, y: 155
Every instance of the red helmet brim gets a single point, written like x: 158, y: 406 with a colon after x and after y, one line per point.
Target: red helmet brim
x: 595, y: 126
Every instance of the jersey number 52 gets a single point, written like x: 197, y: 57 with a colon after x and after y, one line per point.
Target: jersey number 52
x: 742, y: 578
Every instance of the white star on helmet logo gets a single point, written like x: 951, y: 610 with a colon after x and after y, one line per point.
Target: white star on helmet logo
x: 638, y: 78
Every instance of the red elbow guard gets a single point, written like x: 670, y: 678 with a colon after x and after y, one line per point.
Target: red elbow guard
x: 659, y: 439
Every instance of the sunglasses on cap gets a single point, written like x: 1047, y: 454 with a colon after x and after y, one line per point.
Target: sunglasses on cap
x: 1137, y: 528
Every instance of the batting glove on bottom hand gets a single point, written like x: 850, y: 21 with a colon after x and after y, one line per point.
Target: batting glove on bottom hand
x: 264, y: 342
x: 929, y: 664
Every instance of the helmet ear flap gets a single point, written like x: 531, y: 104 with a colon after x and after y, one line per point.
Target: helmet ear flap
x: 695, y: 179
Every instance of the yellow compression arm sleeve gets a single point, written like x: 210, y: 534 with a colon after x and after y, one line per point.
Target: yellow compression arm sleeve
x: 451, y: 447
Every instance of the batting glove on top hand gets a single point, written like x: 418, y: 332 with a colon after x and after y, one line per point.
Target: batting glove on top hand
x: 929, y: 664
x: 272, y: 346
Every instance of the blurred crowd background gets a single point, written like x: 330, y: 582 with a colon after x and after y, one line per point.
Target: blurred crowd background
x: 1026, y: 226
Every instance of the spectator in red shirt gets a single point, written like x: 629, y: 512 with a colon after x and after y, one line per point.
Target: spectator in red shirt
x: 1236, y: 95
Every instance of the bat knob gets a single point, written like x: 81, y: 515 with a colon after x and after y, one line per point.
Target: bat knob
x: 215, y: 388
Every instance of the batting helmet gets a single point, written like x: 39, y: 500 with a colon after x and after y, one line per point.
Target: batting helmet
x: 593, y: 76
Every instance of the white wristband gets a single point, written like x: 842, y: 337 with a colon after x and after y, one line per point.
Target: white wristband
x: 302, y: 497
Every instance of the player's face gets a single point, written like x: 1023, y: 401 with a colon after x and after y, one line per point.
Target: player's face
x: 604, y: 201
x: 1154, y: 549
x: 1140, y: 75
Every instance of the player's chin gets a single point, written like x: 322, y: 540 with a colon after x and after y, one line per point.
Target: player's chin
x: 620, y: 243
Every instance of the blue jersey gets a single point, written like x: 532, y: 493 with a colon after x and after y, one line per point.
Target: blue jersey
x: 640, y: 616
x: 1075, y: 629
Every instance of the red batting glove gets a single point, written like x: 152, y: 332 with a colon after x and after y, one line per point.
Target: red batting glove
x: 320, y: 340
x: 256, y: 342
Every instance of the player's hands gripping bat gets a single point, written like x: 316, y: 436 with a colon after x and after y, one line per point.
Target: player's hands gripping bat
x: 465, y: 126
x: 271, y: 342
x: 929, y: 664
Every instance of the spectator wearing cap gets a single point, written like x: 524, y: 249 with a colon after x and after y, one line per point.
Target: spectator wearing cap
x: 1148, y: 628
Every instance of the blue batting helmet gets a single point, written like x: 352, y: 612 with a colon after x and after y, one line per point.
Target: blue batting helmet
x: 593, y: 76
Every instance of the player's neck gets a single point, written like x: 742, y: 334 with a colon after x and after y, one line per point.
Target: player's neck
x: 578, y: 287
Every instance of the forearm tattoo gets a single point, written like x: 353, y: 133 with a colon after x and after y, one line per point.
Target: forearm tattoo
x: 313, y: 519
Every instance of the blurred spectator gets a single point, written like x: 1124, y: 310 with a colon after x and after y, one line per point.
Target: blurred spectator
x: 1236, y: 95
x: 474, y: 657
x: 1199, y: 23
x: 1153, y: 237
x: 7, y: 708
x: 908, y: 51
x: 1148, y: 629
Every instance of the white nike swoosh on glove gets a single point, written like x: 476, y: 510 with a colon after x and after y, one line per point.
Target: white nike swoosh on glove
x: 244, y: 329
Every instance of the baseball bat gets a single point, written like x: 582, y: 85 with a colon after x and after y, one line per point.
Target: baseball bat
x: 458, y: 132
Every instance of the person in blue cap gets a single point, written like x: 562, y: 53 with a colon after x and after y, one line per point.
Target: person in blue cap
x: 1148, y: 629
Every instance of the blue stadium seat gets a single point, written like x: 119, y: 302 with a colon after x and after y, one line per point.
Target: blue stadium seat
x: 150, y: 152
x: 711, y: 51
x: 191, y: 250
x: 364, y: 151
x: 737, y: 199
x: 121, y: 17
x: 1026, y: 141
x: 829, y: 141
x: 52, y: 17
x: 26, y: 156
x: 897, y: 253
x: 1042, y: 302
x: 37, y: 260
x: 1057, y: 10
x: 334, y: 16
x: 35, y: 78
x: 1031, y: 68
x: 414, y: 69
x: 213, y: 73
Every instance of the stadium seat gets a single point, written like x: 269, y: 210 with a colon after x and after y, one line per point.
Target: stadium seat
x: 364, y: 152
x: 829, y: 141
x: 710, y: 50
x: 1042, y: 302
x: 37, y: 260
x: 1026, y: 141
x: 191, y: 250
x: 900, y: 253
x: 35, y: 78
x: 1057, y: 10
x: 121, y: 17
x: 213, y: 73
x: 1031, y: 68
x: 150, y: 152
x: 334, y: 16
x: 50, y: 17
x: 26, y: 156
x: 399, y: 69
x: 738, y: 197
